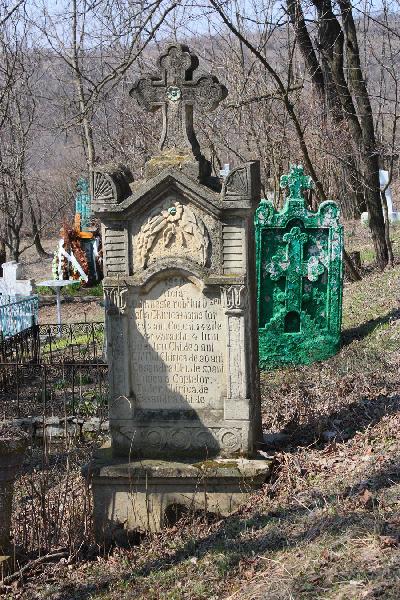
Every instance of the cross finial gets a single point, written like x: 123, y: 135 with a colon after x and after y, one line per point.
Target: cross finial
x: 177, y: 93
x: 296, y: 181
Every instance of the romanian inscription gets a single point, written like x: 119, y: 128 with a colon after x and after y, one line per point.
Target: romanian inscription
x: 178, y: 347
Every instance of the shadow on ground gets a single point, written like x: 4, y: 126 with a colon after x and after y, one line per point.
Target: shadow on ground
x: 342, y: 424
x: 363, y: 330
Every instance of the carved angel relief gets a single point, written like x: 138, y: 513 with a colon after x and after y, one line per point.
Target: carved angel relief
x: 176, y: 229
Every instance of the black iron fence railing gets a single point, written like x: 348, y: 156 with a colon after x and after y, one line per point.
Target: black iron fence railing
x: 42, y: 389
x: 81, y: 342
x: 54, y: 370
x: 72, y: 342
x: 21, y: 347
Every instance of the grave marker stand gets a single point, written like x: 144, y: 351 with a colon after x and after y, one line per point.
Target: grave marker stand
x: 181, y: 321
x: 299, y: 277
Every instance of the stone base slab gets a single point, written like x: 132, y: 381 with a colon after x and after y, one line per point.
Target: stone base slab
x: 143, y: 495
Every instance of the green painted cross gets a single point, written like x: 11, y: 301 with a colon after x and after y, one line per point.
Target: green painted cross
x: 299, y: 277
x: 296, y: 181
x: 292, y: 267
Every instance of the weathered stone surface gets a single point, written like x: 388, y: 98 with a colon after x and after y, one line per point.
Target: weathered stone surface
x: 139, y: 495
x: 175, y: 90
x: 111, y: 184
x: 299, y: 277
x: 59, y: 427
x: 180, y: 313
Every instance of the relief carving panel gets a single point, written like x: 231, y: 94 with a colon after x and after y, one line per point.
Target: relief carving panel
x: 162, y: 438
x: 172, y: 230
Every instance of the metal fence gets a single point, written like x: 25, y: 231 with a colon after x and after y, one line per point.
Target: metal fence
x: 74, y: 342
x: 17, y: 314
x: 52, y: 370
x: 21, y: 347
x: 53, y: 389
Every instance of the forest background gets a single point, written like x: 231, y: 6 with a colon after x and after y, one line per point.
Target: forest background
x: 315, y: 82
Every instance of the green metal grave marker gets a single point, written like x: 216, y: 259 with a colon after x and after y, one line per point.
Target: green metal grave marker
x: 83, y: 203
x: 299, y: 277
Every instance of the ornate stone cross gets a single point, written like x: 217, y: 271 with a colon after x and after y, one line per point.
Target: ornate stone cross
x: 177, y: 93
x: 296, y: 181
x: 294, y: 268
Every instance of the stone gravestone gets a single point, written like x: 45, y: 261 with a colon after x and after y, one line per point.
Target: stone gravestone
x: 12, y: 284
x: 299, y: 277
x: 181, y: 320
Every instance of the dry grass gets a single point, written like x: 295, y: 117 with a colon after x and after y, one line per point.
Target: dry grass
x: 52, y: 501
x: 327, y: 526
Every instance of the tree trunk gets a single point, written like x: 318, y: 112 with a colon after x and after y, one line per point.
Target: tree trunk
x: 369, y: 155
x: 347, y: 176
x: 36, y: 235
x: 360, y: 123
x: 85, y: 111
x: 3, y: 256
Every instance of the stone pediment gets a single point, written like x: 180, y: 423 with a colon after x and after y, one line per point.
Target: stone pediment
x: 150, y: 193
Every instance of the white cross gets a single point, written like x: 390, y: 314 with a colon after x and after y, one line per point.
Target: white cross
x: 225, y: 171
x: 11, y: 284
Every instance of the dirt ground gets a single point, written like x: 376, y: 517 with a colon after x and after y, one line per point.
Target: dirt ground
x: 35, y: 267
x: 73, y: 312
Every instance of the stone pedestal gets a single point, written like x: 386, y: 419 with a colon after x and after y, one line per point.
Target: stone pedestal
x: 146, y: 495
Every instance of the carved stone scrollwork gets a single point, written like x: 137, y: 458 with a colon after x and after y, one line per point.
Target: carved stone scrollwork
x: 111, y: 184
x: 242, y: 182
x: 116, y: 299
x: 237, y: 183
x: 234, y: 297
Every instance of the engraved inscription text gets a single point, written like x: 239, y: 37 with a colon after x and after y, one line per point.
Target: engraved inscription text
x: 178, y: 347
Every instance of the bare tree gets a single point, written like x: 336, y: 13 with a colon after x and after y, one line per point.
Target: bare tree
x: 98, y: 43
x: 6, y: 11
x: 20, y: 70
x: 283, y: 91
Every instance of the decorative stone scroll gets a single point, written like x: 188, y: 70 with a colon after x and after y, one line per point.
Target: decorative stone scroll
x: 115, y: 299
x: 299, y: 277
x: 234, y: 297
x: 242, y: 182
x: 111, y: 184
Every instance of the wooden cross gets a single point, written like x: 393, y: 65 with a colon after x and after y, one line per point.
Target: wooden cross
x: 296, y: 181
x: 177, y: 93
x: 294, y: 268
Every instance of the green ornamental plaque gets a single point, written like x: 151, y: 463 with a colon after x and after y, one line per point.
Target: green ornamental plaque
x: 299, y: 277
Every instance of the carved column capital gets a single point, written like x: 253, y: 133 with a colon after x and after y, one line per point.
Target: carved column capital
x: 115, y: 299
x: 234, y: 298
